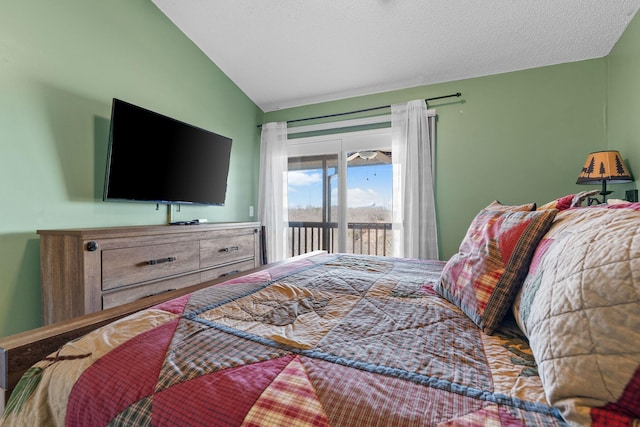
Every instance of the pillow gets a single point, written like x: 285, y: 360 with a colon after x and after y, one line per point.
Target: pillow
x: 569, y: 201
x: 617, y: 202
x: 497, y: 206
x: 484, y: 276
x: 580, y: 308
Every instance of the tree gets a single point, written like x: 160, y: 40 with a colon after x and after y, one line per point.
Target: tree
x: 602, y: 169
x: 592, y: 166
x: 619, y: 166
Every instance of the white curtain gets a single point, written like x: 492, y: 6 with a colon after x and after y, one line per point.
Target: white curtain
x: 414, y: 214
x: 272, y: 197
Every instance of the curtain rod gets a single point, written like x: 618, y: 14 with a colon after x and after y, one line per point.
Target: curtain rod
x: 457, y: 94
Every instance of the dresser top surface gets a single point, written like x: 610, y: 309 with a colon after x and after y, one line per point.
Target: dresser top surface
x: 147, y: 230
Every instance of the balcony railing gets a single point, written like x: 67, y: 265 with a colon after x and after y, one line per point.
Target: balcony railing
x: 371, y: 238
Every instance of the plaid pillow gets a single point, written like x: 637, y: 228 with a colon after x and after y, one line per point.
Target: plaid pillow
x: 569, y: 201
x: 483, y: 278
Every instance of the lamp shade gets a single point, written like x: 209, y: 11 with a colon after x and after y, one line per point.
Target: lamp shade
x: 604, y: 166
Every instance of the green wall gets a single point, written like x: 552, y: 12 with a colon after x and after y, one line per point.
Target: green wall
x: 516, y: 137
x: 624, y: 98
x: 61, y: 63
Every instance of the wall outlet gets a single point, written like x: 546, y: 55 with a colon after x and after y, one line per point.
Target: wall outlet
x: 251, y: 211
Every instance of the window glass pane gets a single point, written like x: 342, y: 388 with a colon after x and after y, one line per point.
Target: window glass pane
x: 312, y: 219
x: 369, y: 184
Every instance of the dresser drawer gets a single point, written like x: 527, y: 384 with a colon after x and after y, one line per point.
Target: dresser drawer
x: 123, y: 296
x: 226, y: 249
x: 126, y: 266
x: 227, y: 270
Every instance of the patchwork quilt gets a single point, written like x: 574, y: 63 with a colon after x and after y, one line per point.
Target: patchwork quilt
x: 331, y: 340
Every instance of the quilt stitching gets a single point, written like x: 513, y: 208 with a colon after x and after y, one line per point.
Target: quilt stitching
x: 191, y: 314
x: 417, y: 378
x: 224, y: 370
x: 586, y: 286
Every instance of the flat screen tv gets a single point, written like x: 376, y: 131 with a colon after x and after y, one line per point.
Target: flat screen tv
x: 154, y: 158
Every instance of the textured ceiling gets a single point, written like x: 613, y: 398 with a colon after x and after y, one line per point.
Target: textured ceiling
x: 286, y: 53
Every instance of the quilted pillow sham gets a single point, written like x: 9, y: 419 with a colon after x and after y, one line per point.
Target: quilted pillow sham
x: 486, y: 273
x: 497, y: 206
x: 580, y: 308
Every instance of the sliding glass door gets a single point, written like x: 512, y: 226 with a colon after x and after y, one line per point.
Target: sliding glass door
x: 352, y: 214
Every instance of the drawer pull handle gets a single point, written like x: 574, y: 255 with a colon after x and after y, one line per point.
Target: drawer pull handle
x: 158, y: 293
x: 230, y: 249
x: 161, y: 260
x: 230, y: 273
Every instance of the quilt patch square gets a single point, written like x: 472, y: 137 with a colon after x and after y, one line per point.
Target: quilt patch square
x: 287, y: 314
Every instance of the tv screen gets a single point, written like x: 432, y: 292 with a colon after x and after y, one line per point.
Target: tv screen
x: 154, y: 158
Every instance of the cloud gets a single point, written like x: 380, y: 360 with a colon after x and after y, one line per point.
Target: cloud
x: 358, y: 198
x: 300, y: 179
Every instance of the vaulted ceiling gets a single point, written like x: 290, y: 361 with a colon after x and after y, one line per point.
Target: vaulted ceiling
x: 287, y: 53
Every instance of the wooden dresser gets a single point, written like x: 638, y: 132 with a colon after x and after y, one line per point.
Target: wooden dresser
x: 87, y: 270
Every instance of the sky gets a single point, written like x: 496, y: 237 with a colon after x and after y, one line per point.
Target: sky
x: 366, y: 186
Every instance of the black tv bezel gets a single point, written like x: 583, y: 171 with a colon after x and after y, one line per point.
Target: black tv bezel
x: 105, y: 197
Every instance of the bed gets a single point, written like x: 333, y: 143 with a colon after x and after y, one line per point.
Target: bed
x: 486, y: 338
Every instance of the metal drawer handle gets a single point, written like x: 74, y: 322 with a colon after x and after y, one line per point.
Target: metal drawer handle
x: 230, y: 273
x: 161, y: 260
x: 230, y: 249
